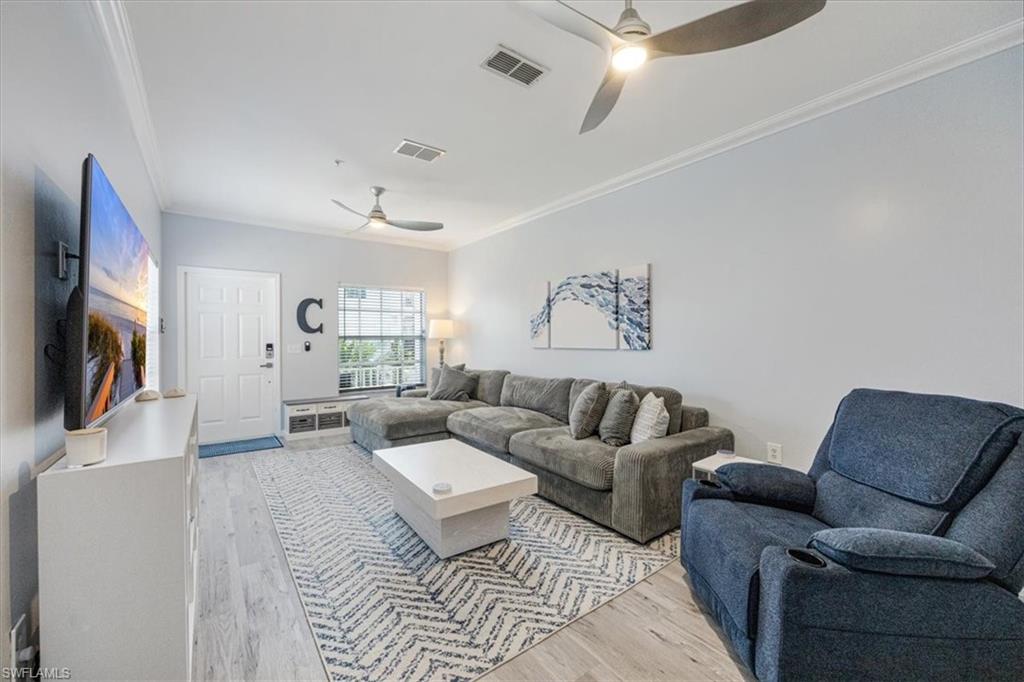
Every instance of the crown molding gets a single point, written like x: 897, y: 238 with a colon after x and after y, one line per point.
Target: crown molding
x: 111, y: 21
x: 317, y: 230
x: 983, y: 45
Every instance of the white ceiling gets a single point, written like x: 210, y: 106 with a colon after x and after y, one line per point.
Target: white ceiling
x: 252, y: 101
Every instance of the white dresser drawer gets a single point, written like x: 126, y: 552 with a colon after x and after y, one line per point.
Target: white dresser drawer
x: 326, y: 408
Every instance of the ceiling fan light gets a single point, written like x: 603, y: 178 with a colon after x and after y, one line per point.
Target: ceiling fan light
x: 376, y: 222
x: 629, y: 58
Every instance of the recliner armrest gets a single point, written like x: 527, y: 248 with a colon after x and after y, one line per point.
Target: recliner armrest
x: 899, y: 553
x: 830, y: 622
x: 774, y: 486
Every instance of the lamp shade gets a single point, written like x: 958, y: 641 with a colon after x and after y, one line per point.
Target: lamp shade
x: 441, y: 329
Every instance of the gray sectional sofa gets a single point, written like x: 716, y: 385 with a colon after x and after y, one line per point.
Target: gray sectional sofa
x: 633, y: 489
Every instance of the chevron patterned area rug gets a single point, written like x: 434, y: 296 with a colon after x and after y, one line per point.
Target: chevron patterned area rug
x: 382, y: 606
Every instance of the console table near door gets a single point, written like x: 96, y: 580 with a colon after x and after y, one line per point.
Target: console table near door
x: 118, y: 550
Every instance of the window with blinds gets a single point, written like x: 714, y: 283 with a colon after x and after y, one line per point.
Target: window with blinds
x: 381, y: 340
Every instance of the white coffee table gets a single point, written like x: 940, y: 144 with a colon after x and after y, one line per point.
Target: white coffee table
x: 474, y: 513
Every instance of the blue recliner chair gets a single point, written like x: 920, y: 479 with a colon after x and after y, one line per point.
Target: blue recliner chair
x: 900, y: 555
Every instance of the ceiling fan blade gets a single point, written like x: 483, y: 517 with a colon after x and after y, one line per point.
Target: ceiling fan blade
x: 341, y: 205
x: 361, y: 227
x: 418, y: 225
x: 731, y: 27
x: 568, y: 19
x: 605, y: 99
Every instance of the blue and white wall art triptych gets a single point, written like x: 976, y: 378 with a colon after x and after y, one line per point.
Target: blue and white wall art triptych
x: 606, y: 309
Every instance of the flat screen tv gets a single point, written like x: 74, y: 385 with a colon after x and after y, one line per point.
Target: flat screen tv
x: 108, y: 309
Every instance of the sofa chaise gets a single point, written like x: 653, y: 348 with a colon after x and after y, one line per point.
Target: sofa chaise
x: 633, y: 489
x: 899, y: 556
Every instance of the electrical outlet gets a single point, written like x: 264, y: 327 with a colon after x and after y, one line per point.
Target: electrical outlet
x: 19, y: 640
x: 775, y: 453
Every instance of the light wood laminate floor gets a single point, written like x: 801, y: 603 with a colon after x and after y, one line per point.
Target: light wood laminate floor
x: 251, y: 625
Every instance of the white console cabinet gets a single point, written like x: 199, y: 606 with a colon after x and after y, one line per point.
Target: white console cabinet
x: 118, y: 550
x: 317, y: 416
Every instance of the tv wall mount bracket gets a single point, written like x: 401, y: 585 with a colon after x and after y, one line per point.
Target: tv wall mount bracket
x: 63, y: 256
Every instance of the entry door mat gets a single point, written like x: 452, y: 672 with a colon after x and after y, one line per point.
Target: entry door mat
x: 236, y: 447
x: 381, y: 605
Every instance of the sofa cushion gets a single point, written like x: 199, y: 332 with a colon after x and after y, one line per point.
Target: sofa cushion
x: 673, y: 401
x: 722, y: 543
x: 587, y: 410
x: 891, y: 440
x: 491, y: 427
x: 549, y: 396
x: 588, y: 462
x: 488, y: 387
x: 394, y: 418
x: 454, y: 384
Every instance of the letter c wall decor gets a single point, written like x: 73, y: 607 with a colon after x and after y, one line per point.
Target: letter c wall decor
x: 302, y: 312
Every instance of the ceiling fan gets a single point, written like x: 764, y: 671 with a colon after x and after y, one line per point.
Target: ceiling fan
x: 630, y: 43
x: 377, y: 218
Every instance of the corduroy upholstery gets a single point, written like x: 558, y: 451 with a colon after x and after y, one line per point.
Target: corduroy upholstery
x: 396, y: 418
x: 632, y: 489
x: 886, y: 599
x: 547, y: 396
x: 488, y: 388
x: 492, y: 427
x: 374, y: 441
x: 586, y: 461
x: 648, y: 475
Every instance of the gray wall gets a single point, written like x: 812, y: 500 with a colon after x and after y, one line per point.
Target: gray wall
x: 878, y: 246
x: 311, y: 266
x: 58, y: 102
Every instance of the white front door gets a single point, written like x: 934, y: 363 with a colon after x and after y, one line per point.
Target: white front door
x: 231, y: 352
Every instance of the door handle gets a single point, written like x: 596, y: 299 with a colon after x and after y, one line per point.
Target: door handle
x: 267, y: 365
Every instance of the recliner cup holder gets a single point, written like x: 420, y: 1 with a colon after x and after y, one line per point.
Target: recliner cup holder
x: 805, y: 557
x: 710, y: 484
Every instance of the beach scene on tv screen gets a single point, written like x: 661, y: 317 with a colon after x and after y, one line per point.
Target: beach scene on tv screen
x: 119, y: 267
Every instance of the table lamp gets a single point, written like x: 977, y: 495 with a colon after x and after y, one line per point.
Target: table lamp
x: 441, y: 329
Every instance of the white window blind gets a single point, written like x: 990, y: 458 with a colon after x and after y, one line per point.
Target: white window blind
x: 381, y: 340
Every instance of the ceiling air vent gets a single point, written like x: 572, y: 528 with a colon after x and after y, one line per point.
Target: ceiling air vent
x: 418, y: 150
x: 514, y: 66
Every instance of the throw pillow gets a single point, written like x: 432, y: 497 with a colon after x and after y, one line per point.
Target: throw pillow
x: 454, y: 385
x: 618, y: 416
x: 587, y: 411
x: 435, y: 373
x: 651, y: 420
